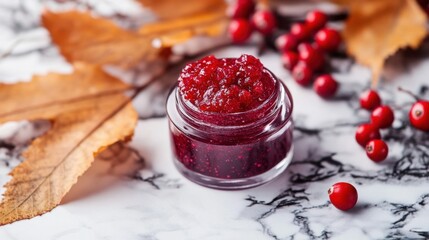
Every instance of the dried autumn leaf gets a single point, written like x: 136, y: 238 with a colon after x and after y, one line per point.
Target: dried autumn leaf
x: 44, y: 97
x: 174, y: 31
x: 375, y: 30
x: 54, y: 161
x: 89, y: 113
x: 82, y: 37
x: 167, y: 9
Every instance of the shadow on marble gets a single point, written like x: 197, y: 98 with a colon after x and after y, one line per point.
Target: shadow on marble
x: 117, y: 162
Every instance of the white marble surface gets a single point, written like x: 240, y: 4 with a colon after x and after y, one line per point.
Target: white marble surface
x: 154, y: 202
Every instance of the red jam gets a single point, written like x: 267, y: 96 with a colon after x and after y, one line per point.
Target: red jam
x: 226, y: 85
x: 222, y: 139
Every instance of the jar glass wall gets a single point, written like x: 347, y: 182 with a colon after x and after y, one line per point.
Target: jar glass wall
x: 232, y: 150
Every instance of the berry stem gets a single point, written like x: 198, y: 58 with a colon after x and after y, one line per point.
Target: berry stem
x: 262, y: 46
x: 409, y: 93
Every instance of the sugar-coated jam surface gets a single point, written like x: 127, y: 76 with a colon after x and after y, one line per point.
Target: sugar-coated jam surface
x: 238, y: 126
x: 226, y: 85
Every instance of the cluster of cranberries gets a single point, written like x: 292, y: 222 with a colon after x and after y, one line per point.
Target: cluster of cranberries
x: 226, y: 85
x: 245, y: 19
x: 303, y: 52
x: 368, y: 134
x: 303, y: 49
x: 382, y: 116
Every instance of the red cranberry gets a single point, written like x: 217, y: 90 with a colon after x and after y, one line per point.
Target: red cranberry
x: 419, y: 112
x: 365, y: 133
x: 382, y: 117
x: 241, y: 9
x: 316, y: 20
x: 311, y: 56
x: 328, y: 39
x: 289, y: 60
x: 343, y: 195
x: 419, y: 115
x: 264, y: 22
x: 239, y: 30
x: 301, y: 31
x: 325, y: 86
x: 377, y: 150
x: 302, y: 74
x: 369, y: 100
x: 286, y: 42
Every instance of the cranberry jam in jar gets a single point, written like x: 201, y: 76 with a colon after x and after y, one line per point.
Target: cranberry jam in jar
x: 230, y: 123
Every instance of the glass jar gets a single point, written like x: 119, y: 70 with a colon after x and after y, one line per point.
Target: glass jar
x: 232, y: 150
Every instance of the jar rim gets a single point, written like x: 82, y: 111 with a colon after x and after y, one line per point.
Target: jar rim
x: 253, y: 110
x: 235, y: 119
x: 280, y: 115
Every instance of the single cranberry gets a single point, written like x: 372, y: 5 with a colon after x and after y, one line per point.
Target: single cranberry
x: 301, y: 31
x: 286, y: 42
x: 419, y: 112
x: 241, y: 9
x: 264, y: 22
x: 328, y: 39
x: 311, y: 56
x: 302, y: 74
x: 289, y: 60
x: 365, y: 133
x: 382, y: 117
x: 239, y: 30
x: 369, y: 100
x: 343, y: 195
x: 325, y: 86
x: 316, y: 20
x: 377, y: 150
x: 419, y: 115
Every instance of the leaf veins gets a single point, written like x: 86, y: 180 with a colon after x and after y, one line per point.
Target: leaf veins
x: 88, y: 113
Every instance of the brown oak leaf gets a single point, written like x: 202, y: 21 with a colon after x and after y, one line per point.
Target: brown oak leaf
x: 375, y: 30
x: 173, y: 9
x: 82, y: 37
x: 88, y: 113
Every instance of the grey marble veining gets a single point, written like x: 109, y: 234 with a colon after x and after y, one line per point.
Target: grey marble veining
x: 147, y: 199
